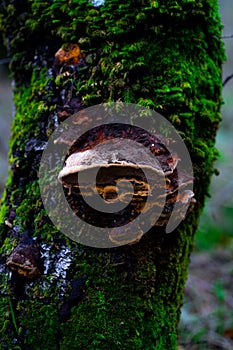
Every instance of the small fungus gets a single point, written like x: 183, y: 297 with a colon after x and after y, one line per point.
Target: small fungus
x: 25, y: 258
x: 69, y: 53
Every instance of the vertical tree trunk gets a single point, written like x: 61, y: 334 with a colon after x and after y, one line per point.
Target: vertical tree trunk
x: 165, y: 55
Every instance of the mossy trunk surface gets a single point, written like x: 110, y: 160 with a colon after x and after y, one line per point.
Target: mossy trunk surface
x: 165, y: 55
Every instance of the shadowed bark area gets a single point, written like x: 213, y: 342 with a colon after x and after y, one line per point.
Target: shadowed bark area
x: 164, y: 55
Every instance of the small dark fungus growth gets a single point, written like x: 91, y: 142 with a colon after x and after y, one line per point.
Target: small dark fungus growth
x: 25, y: 258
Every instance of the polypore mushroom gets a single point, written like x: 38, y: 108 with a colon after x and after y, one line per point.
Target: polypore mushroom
x: 125, y: 165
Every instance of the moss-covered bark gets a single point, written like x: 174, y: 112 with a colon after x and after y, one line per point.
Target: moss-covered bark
x: 165, y: 55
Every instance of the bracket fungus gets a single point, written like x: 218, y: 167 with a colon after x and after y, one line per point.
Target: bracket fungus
x: 114, y: 173
x: 25, y: 258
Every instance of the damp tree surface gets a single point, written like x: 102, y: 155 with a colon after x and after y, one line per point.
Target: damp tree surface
x: 66, y: 56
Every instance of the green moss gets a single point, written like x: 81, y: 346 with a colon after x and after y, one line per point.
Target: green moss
x: 46, y: 230
x: 4, y: 209
x: 119, y: 318
x: 27, y: 124
x: 42, y: 324
x: 27, y: 121
x: 6, y: 329
x: 125, y: 317
x: 8, y: 245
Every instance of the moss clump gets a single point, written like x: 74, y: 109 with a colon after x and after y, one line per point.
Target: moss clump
x: 27, y: 122
x: 41, y: 323
x: 4, y: 209
x: 8, y: 333
x: 22, y: 186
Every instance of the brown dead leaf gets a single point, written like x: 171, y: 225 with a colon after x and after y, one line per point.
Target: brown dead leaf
x: 70, y: 52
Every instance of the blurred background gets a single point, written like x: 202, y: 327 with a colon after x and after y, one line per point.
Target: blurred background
x: 207, y: 314
x: 217, y: 220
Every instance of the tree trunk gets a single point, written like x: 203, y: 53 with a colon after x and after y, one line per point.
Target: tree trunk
x: 163, y: 55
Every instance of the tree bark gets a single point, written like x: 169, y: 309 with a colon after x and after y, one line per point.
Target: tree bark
x: 163, y: 55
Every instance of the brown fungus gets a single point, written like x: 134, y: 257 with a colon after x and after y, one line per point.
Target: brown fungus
x: 126, y: 165
x: 25, y: 258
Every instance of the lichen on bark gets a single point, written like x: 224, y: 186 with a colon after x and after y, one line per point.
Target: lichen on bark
x: 163, y: 55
